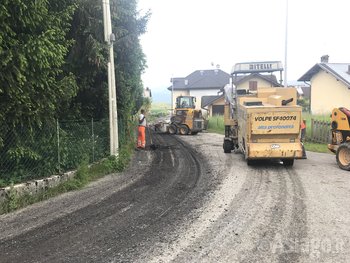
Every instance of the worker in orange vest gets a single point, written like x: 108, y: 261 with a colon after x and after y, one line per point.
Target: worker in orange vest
x: 302, y: 136
x: 303, y: 130
x: 141, y: 138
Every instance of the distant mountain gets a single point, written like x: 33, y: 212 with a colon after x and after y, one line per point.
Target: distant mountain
x: 161, y: 96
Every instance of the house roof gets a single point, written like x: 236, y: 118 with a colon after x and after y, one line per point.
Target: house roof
x: 269, y: 78
x: 202, y: 79
x: 207, y: 100
x: 238, y: 79
x: 339, y: 70
x: 306, y: 91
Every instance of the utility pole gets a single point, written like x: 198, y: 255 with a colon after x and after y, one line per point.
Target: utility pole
x: 113, y: 115
x: 286, y: 49
x: 172, y: 95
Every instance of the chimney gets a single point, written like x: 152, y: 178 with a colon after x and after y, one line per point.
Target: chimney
x: 348, y: 69
x: 186, y: 82
x: 324, y: 59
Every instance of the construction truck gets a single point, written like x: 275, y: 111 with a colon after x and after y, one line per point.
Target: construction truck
x: 340, y: 145
x: 264, y: 124
x: 186, y: 119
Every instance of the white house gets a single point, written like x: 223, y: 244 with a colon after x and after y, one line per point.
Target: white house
x: 147, y: 93
x: 199, y: 83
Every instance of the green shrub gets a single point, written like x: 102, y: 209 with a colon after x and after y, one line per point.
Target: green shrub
x: 84, y: 175
x: 216, y: 124
x: 316, y: 147
x: 304, y: 103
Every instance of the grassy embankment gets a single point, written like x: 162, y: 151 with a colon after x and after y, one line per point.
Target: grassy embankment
x: 216, y: 124
x: 84, y: 175
x: 158, y: 110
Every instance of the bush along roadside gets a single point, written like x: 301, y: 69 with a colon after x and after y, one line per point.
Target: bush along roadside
x: 13, y: 199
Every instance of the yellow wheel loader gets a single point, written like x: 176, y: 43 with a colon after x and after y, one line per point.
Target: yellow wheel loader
x: 340, y: 144
x: 187, y: 120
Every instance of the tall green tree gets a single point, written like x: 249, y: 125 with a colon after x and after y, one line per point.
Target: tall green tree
x: 87, y: 59
x: 128, y: 25
x: 33, y: 48
x: 53, y: 65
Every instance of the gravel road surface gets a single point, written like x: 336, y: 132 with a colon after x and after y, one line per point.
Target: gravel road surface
x: 187, y: 201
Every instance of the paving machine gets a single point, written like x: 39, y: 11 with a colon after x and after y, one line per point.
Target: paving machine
x: 264, y: 125
x: 340, y: 145
x: 186, y: 120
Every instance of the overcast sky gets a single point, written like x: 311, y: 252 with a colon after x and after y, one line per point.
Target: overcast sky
x: 188, y: 35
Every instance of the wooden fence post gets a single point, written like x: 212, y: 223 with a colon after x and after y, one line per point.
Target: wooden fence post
x: 312, y: 130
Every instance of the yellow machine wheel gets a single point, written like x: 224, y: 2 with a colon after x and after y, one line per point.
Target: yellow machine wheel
x: 228, y: 146
x: 172, y: 129
x: 183, y: 129
x: 343, y: 156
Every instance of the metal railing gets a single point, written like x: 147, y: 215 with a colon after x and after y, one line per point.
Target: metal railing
x: 320, y: 132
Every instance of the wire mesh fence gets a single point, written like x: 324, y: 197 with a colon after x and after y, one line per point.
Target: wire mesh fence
x: 30, y: 154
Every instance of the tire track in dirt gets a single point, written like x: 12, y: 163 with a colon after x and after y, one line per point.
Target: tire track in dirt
x: 121, y: 226
x: 268, y: 228
x: 226, y: 230
x: 280, y: 231
x: 297, y: 229
x: 253, y: 226
x: 287, y: 224
x: 180, y: 206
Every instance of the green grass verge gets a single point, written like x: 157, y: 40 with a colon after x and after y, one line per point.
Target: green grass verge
x: 158, y: 106
x: 85, y: 174
x: 307, y: 116
x: 216, y: 124
x: 316, y: 147
x: 158, y: 110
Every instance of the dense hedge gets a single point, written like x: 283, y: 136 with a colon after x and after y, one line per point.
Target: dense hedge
x: 53, y: 65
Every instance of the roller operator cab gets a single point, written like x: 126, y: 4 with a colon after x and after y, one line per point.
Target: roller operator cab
x: 264, y: 125
x: 185, y: 102
x: 186, y: 119
x: 340, y: 145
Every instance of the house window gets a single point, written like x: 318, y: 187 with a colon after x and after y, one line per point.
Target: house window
x: 253, y: 85
x: 218, y: 110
